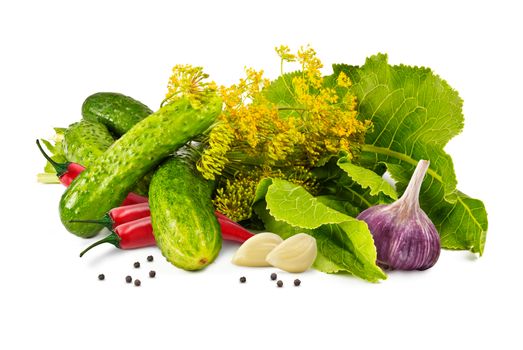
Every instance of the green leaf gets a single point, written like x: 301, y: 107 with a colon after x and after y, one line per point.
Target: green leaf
x: 336, y: 203
x: 50, y: 147
x: 415, y: 113
x: 56, y: 153
x: 344, y: 243
x: 293, y: 204
x: 349, y: 195
x: 463, y: 224
x: 367, y: 178
x: 271, y: 224
x: 261, y: 189
x: 281, y: 91
x: 59, y: 131
x: 349, y: 246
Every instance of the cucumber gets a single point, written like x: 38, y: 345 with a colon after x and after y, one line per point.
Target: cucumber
x: 85, y: 141
x: 182, y: 215
x: 119, y: 113
x: 111, y: 176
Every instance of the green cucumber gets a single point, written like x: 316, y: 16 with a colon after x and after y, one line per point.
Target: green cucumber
x: 85, y: 141
x: 111, y: 176
x: 184, y: 224
x: 119, y: 113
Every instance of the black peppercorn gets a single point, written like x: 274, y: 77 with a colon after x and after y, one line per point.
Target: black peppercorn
x: 150, y: 258
x: 243, y: 279
x: 297, y: 282
x: 128, y: 279
x: 274, y: 276
x: 152, y: 274
x: 137, y: 283
x: 101, y: 277
x: 279, y: 283
x: 136, y: 265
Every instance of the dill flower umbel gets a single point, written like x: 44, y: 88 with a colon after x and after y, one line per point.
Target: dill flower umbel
x: 190, y: 82
x: 283, y: 128
x: 305, y: 124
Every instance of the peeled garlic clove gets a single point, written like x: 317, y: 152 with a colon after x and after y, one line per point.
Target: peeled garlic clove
x: 254, y: 250
x: 295, y: 254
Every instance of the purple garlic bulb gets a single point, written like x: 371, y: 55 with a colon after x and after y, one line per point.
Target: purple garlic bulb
x: 404, y: 236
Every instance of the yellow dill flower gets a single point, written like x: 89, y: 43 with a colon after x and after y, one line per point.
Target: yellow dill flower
x: 311, y: 66
x: 234, y: 199
x: 279, y: 147
x: 213, y: 159
x: 254, y: 82
x: 343, y: 80
x: 285, y: 53
x: 188, y: 81
x: 318, y: 122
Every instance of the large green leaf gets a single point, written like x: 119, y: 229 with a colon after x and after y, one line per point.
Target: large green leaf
x: 415, y: 113
x: 344, y: 243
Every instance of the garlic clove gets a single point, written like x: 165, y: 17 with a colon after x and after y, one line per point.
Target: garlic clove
x: 295, y: 254
x: 254, y: 250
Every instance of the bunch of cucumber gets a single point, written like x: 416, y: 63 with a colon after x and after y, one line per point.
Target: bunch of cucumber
x: 124, y: 145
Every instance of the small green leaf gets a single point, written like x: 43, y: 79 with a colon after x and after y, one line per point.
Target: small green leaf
x: 56, y: 153
x: 50, y: 147
x: 367, y: 179
x: 261, y: 189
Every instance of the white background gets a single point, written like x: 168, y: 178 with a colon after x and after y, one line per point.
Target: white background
x: 54, y: 54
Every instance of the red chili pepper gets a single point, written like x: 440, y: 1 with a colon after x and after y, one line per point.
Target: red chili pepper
x: 134, y: 234
x: 68, y: 171
x: 121, y: 215
x: 133, y: 198
x: 231, y: 231
x: 220, y: 215
x: 139, y: 233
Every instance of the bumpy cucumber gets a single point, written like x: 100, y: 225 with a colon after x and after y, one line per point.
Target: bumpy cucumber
x: 182, y: 215
x: 85, y: 141
x: 119, y: 113
x: 111, y: 176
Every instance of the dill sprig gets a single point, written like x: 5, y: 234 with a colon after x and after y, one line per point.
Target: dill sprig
x: 258, y: 136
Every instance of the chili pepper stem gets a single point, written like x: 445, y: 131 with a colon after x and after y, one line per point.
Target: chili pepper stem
x: 112, y: 239
x: 105, y: 221
x: 61, y: 168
